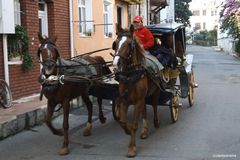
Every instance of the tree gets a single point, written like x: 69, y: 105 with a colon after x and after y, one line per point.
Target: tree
x: 229, y: 16
x: 182, y: 12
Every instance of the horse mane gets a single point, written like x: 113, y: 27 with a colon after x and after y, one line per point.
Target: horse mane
x: 139, y: 51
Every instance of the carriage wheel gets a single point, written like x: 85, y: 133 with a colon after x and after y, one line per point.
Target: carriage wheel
x: 5, y: 95
x: 191, y: 89
x: 115, y: 110
x: 174, y: 104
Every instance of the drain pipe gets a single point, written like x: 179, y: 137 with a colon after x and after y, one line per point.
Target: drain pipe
x: 5, y: 57
x: 71, y: 27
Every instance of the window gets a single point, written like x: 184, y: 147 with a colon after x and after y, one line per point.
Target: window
x: 85, y: 17
x: 108, y: 19
x: 196, y: 13
x: 197, y: 26
x: 204, y: 12
x: 17, y: 12
x: 204, y: 25
x: 213, y: 13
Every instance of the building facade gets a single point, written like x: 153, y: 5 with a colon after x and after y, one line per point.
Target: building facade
x: 204, y: 15
x: 94, y: 24
x: 49, y: 17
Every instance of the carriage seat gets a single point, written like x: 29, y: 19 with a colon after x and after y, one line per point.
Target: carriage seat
x: 153, y: 64
x: 76, y: 67
x: 164, y: 55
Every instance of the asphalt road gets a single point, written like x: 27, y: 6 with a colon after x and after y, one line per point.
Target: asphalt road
x: 208, y: 130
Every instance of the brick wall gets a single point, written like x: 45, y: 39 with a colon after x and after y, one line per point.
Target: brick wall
x: 58, y: 21
x: 25, y: 83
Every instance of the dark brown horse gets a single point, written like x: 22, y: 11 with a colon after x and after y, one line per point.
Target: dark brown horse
x: 58, y: 92
x: 135, y: 84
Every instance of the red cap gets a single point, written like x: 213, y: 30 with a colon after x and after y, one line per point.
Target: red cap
x: 137, y: 19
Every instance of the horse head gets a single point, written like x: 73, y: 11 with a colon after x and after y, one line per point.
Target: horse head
x: 48, y: 55
x: 128, y: 51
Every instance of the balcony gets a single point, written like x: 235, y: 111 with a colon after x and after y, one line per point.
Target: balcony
x: 152, y: 2
x: 133, y: 1
x: 159, y: 3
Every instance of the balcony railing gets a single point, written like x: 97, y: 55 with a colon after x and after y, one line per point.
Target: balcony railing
x: 133, y: 1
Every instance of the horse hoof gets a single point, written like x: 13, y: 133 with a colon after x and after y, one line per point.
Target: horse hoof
x: 102, y: 120
x: 156, y: 124
x: 131, y: 152
x: 87, y: 132
x: 144, y: 134
x: 58, y: 132
x: 64, y: 151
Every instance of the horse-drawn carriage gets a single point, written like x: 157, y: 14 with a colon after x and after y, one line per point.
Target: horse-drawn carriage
x: 179, y: 81
x: 140, y: 79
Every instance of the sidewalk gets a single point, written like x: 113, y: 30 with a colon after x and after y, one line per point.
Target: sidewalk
x: 25, y: 113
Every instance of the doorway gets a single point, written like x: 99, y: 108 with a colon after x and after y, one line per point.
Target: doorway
x: 43, y: 18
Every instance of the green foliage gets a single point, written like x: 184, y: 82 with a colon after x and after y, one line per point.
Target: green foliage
x: 237, y: 47
x: 182, y: 12
x: 18, y: 46
x: 206, y: 38
x: 28, y: 61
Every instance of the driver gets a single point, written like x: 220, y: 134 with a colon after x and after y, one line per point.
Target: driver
x: 145, y: 37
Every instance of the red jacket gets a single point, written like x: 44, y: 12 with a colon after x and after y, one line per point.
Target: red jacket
x: 145, y: 37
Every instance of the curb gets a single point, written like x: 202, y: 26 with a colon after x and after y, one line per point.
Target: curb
x: 18, y: 122
x: 22, y: 122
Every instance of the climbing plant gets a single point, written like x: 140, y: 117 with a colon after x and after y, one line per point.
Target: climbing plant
x: 18, y: 46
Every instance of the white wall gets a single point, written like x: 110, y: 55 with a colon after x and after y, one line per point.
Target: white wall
x: 167, y: 14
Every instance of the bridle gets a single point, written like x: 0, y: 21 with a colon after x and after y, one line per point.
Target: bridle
x: 49, y: 62
x: 125, y: 62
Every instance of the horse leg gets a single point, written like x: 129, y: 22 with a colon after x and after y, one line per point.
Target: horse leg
x: 100, y: 114
x: 64, y: 149
x: 123, y: 108
x: 138, y: 109
x: 87, y: 131
x: 50, y: 109
x: 155, y: 109
x: 144, y: 132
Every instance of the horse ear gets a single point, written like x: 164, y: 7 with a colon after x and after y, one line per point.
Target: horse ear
x: 131, y: 29
x: 54, y: 39
x: 119, y: 29
x: 41, y: 39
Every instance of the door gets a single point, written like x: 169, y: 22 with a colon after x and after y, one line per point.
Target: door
x: 119, y: 16
x: 42, y: 18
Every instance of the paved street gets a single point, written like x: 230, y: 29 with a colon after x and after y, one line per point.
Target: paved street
x: 208, y: 130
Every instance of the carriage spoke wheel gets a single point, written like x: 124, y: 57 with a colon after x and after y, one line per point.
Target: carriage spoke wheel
x: 115, y: 110
x: 5, y: 95
x: 191, y: 89
x: 174, y: 108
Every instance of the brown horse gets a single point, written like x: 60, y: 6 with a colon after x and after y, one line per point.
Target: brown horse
x: 135, y: 84
x: 58, y: 92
